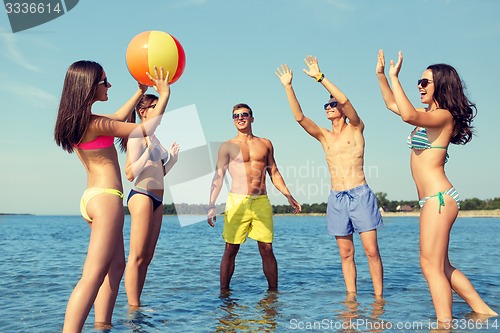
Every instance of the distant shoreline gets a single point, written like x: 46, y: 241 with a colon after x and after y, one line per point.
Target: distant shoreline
x: 462, y: 213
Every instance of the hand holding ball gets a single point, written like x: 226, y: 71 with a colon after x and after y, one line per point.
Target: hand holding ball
x: 155, y: 48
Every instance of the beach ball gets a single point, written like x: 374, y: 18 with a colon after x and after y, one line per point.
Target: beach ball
x: 155, y: 48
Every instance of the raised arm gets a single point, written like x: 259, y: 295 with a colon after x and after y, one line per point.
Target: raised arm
x: 277, y: 179
x: 160, y: 84
x: 285, y: 75
x: 217, y: 181
x: 104, y: 125
x: 314, y: 72
x: 123, y: 113
x: 385, y: 89
x: 407, y: 111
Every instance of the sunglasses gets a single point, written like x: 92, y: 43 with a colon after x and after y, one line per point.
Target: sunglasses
x: 105, y: 82
x: 243, y: 115
x: 331, y: 104
x: 423, y: 82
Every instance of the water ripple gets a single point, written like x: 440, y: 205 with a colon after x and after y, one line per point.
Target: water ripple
x: 42, y: 258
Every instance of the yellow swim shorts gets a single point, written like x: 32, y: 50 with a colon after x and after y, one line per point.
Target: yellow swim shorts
x: 248, y: 215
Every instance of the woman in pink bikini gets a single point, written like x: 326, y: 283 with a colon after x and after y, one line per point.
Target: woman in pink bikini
x: 446, y: 119
x: 91, y: 136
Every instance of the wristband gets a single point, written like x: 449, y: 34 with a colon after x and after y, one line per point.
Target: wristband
x: 320, y: 77
x: 211, y: 206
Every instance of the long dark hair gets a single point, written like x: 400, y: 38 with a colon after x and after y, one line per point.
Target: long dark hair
x: 449, y: 93
x: 146, y: 100
x: 73, y: 118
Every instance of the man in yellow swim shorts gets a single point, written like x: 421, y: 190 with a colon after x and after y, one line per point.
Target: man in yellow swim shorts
x: 248, y: 211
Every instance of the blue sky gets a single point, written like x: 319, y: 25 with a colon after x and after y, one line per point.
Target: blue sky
x: 232, y: 50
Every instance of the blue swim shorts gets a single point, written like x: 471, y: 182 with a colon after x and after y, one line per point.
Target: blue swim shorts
x: 354, y: 210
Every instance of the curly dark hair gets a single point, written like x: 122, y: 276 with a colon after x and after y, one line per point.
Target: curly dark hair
x: 449, y: 93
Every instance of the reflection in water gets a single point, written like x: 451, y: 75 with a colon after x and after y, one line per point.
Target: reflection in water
x: 349, y: 315
x: 238, y: 318
x: 137, y: 320
x: 378, y: 307
x: 268, y: 307
x: 374, y: 324
x: 353, y: 319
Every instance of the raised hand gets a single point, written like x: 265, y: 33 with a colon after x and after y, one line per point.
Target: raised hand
x: 380, y: 70
x: 394, y: 69
x: 142, y: 87
x: 174, y: 151
x: 160, y: 81
x: 313, y: 67
x: 285, y: 75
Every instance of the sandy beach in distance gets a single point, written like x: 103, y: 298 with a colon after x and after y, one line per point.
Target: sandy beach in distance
x: 462, y: 213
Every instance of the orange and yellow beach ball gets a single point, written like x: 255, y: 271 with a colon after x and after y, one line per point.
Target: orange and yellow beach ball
x: 155, y: 48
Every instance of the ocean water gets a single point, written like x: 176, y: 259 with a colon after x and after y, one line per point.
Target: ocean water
x: 42, y: 258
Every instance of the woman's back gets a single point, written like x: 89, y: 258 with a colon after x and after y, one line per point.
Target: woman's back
x: 102, y: 167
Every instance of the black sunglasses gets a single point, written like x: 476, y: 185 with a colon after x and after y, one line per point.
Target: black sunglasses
x: 105, y: 82
x: 423, y: 82
x: 243, y: 115
x: 332, y: 105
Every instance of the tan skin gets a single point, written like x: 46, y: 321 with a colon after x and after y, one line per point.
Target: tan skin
x: 145, y: 222
x: 247, y: 158
x: 148, y: 174
x: 427, y: 167
x: 343, y: 146
x: 105, y: 261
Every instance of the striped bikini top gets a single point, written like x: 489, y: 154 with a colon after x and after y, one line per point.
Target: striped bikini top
x: 418, y: 140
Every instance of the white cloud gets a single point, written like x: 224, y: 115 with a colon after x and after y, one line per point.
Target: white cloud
x: 32, y: 94
x: 11, y: 51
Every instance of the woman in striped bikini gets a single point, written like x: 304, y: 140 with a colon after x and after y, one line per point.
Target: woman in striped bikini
x: 446, y: 119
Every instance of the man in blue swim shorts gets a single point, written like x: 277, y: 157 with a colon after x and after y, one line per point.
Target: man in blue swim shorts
x: 248, y: 211
x: 352, y: 210
x: 352, y: 206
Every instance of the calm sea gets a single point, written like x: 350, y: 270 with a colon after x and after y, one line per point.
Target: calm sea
x: 42, y: 258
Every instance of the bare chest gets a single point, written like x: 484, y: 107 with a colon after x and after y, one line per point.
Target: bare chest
x: 248, y: 153
x: 346, y: 141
